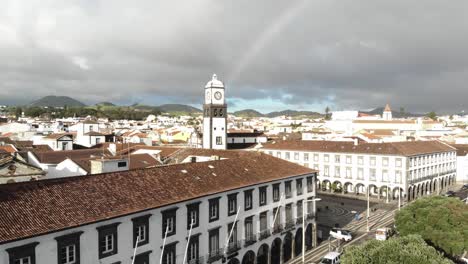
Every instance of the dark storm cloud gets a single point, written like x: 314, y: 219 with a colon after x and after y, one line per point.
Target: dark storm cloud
x: 351, y: 54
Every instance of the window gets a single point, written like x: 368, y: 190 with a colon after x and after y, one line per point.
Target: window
x: 213, y: 242
x: 23, y: 254
x: 276, y: 192
x: 348, y: 173
x: 372, y: 174
x: 337, y: 158
x: 348, y: 159
x: 306, y: 156
x: 337, y: 172
x: 141, y: 230
x: 310, y: 184
x: 372, y: 161
x: 233, y: 238
x: 296, y: 155
x: 398, y: 177
x: 263, y: 221
x: 263, y: 195
x: 247, y: 200
x: 219, y: 140
x: 325, y: 170
x: 193, y: 210
x: 288, y: 210
x: 232, y: 204
x: 360, y: 173
x: 385, y: 176
x: 385, y: 161
x: 121, y: 164
x: 287, y: 189
x: 107, y: 240
x: 316, y: 157
x: 361, y: 160
x: 214, y: 209
x: 169, y: 254
x: 287, y: 155
x: 248, y: 228
x: 68, y: 248
x: 326, y: 157
x: 299, y: 209
x: 299, y: 189
x: 193, y: 249
x: 278, y: 154
x: 398, y: 162
x: 98, y: 140
x: 169, y: 222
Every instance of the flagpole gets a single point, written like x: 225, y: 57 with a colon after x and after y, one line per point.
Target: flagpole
x: 164, y: 244
x: 230, y: 232
x: 188, y: 241
x: 277, y: 211
x: 136, y: 246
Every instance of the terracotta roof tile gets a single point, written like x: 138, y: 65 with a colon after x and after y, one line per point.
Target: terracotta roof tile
x: 56, y: 204
x: 55, y: 157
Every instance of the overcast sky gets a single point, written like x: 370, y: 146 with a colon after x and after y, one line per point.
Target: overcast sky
x: 272, y: 55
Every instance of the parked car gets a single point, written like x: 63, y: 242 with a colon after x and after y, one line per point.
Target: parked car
x: 383, y: 233
x: 331, y: 258
x: 341, y: 234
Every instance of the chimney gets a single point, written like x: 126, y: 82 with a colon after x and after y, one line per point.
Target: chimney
x: 356, y: 142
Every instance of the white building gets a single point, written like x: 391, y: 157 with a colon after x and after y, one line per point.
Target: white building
x: 416, y: 168
x: 97, y: 218
x: 462, y: 162
x: 214, y: 115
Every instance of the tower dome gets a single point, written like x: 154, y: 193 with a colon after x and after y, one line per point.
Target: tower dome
x: 214, y: 83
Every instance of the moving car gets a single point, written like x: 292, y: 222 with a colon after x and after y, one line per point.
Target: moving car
x: 331, y: 258
x: 341, y: 234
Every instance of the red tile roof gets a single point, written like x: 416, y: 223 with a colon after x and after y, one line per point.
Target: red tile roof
x: 407, y: 148
x: 8, y: 148
x: 57, y: 204
x: 55, y: 157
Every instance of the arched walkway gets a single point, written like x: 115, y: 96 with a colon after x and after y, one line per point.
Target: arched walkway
x: 249, y: 257
x: 396, y: 192
x: 348, y: 187
x: 360, y: 189
x: 336, y: 186
x: 298, y: 242
x: 287, y: 247
x: 308, y: 237
x: 410, y: 193
x: 326, y: 185
x: 383, y: 191
x: 262, y: 254
x: 373, y: 190
x: 275, y: 254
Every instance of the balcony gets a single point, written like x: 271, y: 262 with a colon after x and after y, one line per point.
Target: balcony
x: 195, y: 261
x: 289, y: 224
x: 263, y: 234
x: 250, y: 239
x: 233, y: 246
x: 310, y: 216
x: 277, y: 228
x: 214, y: 255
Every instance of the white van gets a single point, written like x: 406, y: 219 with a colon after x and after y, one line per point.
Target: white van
x: 383, y: 233
x: 331, y: 258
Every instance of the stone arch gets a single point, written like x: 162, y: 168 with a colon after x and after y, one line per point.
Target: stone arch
x: 308, y: 237
x: 298, y: 242
x: 233, y: 261
x: 383, y: 191
x: 275, y: 252
x: 326, y: 185
x: 373, y: 190
x: 360, y: 188
x: 410, y: 193
x: 11, y: 181
x: 348, y: 187
x: 262, y: 254
x: 287, y: 247
x: 318, y: 184
x: 397, y: 191
x: 337, y: 186
x: 249, y: 257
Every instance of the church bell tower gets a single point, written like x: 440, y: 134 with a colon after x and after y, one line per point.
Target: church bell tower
x: 214, y: 115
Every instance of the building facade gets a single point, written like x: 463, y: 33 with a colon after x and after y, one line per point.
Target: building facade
x: 411, y: 168
x: 214, y: 115
x: 229, y: 210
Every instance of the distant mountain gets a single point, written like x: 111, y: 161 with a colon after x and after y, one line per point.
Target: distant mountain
x: 248, y: 113
x: 178, y: 108
x: 57, y: 101
x: 395, y: 114
x: 294, y: 113
x: 105, y: 104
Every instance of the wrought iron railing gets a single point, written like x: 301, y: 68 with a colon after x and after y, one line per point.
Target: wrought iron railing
x: 214, y: 255
x: 277, y: 228
x: 263, y: 234
x: 250, y: 239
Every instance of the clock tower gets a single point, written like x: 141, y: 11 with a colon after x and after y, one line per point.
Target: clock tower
x: 214, y: 115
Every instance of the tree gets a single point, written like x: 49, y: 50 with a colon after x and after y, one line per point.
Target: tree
x: 432, y: 115
x: 327, y: 113
x: 18, y: 112
x: 441, y: 221
x: 405, y: 250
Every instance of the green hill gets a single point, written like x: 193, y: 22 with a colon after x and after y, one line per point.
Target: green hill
x: 178, y: 108
x: 294, y: 113
x: 57, y: 101
x: 248, y: 113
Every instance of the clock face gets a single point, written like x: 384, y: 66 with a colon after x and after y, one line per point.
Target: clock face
x: 218, y: 95
x: 208, y: 95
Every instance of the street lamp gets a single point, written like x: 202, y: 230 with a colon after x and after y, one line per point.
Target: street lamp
x: 304, y: 205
